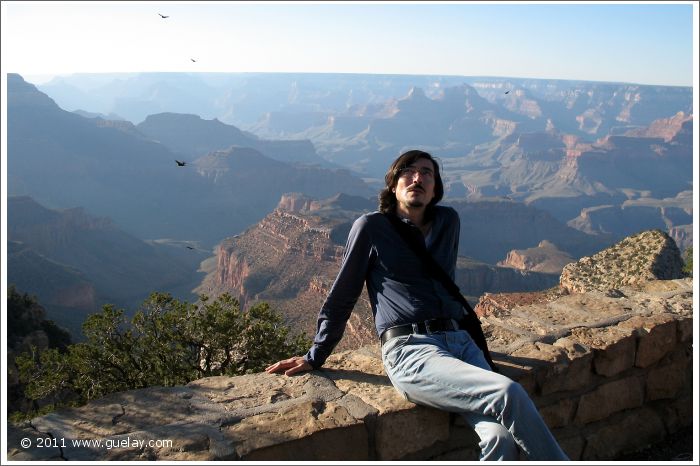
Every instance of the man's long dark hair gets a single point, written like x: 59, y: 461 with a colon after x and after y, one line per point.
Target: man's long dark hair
x: 387, y: 198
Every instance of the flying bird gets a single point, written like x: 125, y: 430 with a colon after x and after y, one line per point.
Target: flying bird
x: 180, y: 164
x: 163, y: 16
x: 507, y: 92
x: 189, y: 247
x: 193, y: 60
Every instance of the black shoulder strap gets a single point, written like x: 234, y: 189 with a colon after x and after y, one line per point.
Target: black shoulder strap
x: 470, y: 322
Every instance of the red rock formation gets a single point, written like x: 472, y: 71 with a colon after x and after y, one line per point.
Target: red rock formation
x: 546, y: 257
x: 290, y: 260
x: 294, y: 202
x: 665, y: 128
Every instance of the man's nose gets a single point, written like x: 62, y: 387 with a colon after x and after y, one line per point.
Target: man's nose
x: 416, y: 183
x: 418, y: 176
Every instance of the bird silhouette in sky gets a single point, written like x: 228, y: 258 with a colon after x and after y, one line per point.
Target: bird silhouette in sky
x: 193, y: 60
x: 180, y: 164
x: 189, y: 247
x: 507, y: 92
x: 163, y: 16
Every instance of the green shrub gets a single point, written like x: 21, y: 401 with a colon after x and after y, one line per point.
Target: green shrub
x: 688, y: 266
x: 167, y: 342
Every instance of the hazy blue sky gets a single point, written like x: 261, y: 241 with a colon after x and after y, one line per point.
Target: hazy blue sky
x: 638, y: 43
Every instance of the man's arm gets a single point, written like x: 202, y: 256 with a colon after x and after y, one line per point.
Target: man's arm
x: 456, y: 225
x: 338, y: 306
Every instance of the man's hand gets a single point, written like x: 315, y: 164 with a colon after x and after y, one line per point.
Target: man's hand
x: 289, y: 366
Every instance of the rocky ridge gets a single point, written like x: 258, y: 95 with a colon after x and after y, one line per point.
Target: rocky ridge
x: 649, y: 255
x: 193, y: 136
x: 646, y: 256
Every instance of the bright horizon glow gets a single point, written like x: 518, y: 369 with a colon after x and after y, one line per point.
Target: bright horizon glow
x: 639, y: 43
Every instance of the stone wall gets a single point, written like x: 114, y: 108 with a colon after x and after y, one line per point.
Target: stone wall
x: 609, y: 372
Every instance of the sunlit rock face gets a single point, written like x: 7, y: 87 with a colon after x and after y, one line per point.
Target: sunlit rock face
x: 639, y: 258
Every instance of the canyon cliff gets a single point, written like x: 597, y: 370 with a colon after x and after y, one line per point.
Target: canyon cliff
x: 74, y: 262
x: 291, y: 258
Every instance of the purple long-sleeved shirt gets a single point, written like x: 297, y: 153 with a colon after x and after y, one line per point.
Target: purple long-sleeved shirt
x: 400, y: 290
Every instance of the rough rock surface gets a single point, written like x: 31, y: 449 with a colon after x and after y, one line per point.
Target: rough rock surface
x: 649, y: 255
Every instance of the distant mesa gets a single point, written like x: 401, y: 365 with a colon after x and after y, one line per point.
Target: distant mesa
x: 194, y: 136
x: 546, y: 258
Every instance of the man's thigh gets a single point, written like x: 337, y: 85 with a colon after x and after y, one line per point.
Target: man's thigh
x: 426, y: 371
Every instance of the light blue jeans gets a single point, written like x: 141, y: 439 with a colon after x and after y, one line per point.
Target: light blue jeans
x: 448, y: 371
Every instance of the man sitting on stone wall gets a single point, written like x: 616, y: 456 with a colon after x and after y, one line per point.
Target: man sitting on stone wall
x: 429, y: 359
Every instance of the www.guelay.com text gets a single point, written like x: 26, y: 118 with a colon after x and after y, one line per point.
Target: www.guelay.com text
x: 128, y: 442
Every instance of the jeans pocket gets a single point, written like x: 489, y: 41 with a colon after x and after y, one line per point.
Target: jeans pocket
x: 392, y: 350
x: 394, y: 357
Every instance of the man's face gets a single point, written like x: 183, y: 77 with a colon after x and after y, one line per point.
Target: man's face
x: 415, y: 186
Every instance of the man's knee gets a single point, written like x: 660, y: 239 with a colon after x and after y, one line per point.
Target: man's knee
x: 513, y: 390
x: 495, y: 433
x: 496, y: 442
x: 510, y: 395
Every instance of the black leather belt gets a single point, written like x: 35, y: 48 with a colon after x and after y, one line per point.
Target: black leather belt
x: 426, y: 327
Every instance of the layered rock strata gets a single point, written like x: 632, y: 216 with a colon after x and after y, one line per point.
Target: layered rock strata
x: 290, y: 259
